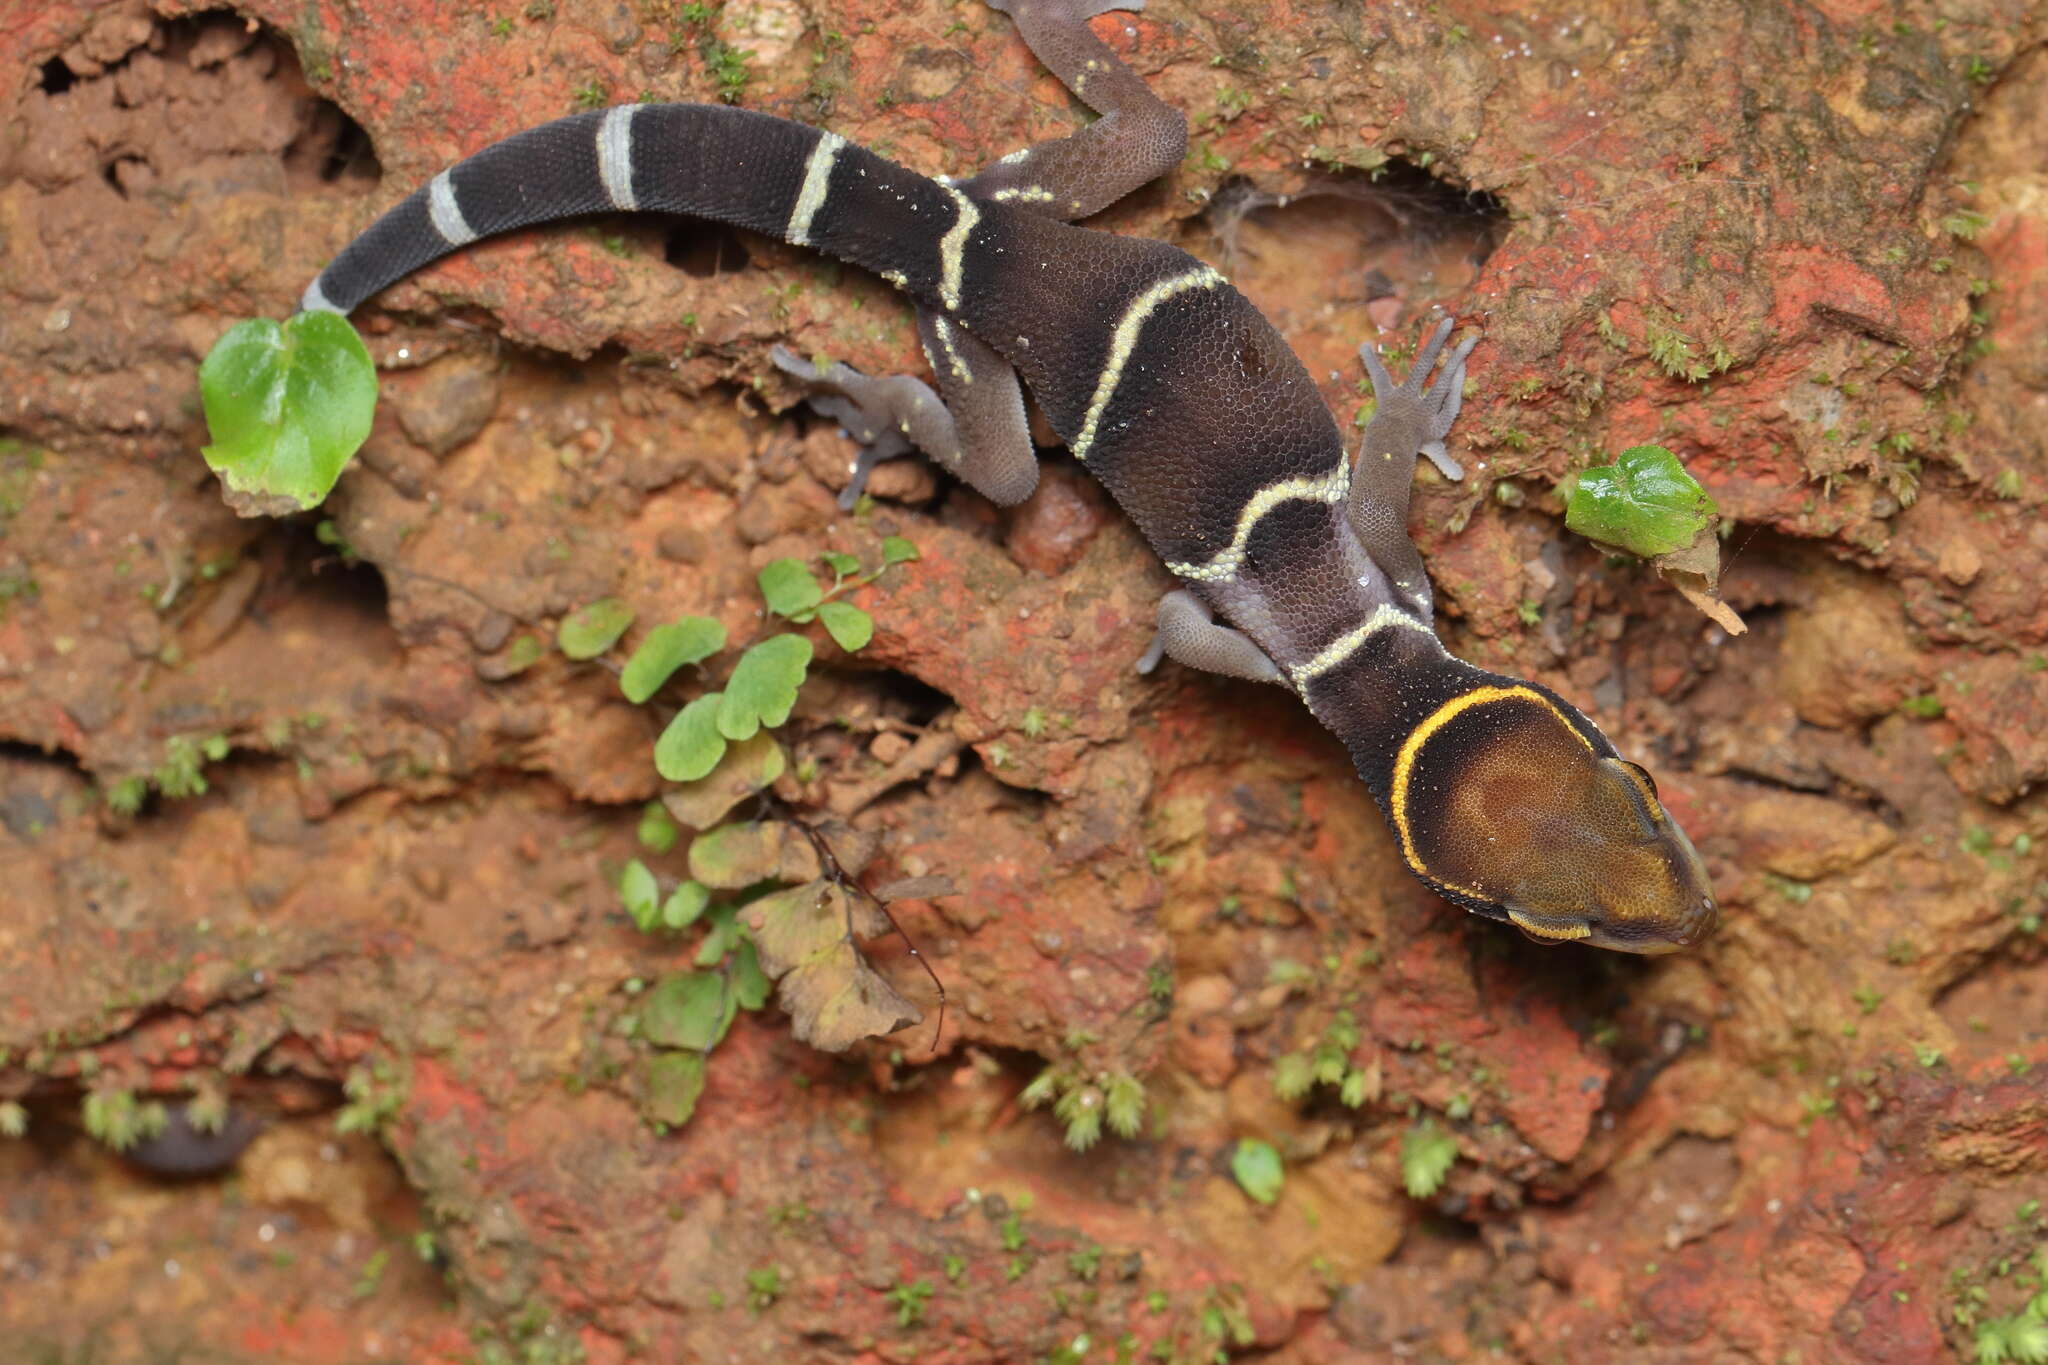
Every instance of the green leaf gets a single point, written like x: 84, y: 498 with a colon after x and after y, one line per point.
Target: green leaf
x: 1293, y: 1074
x: 840, y: 562
x: 691, y: 745
x: 721, y: 937
x: 789, y: 588
x: 523, y: 653
x: 763, y: 686
x: 897, y: 550
x: 1357, y: 1088
x: 286, y: 408
x: 1427, y: 1155
x: 750, y: 985
x: 658, y: 830
x: 685, y: 904
x: 666, y: 649
x: 638, y: 890
x: 849, y: 626
x: 686, y: 1009
x: 1644, y: 503
x: 1123, y: 1105
x: 589, y: 631
x: 1256, y: 1165
x: 675, y: 1080
x: 2027, y: 1337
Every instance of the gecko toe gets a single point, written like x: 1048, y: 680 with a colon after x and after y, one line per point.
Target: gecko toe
x: 1447, y: 395
x: 1441, y: 458
x: 794, y: 365
x: 1383, y: 385
x: 1418, y: 374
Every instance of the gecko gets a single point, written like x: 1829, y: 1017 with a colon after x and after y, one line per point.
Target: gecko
x: 1293, y: 559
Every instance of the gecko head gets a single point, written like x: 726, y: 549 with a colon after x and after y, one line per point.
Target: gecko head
x: 1509, y: 801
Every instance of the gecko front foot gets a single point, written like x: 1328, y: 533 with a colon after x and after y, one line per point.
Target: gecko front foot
x: 1410, y: 418
x: 1071, y: 10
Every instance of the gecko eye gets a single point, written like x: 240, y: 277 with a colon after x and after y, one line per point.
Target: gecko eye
x: 1645, y: 789
x: 1644, y: 773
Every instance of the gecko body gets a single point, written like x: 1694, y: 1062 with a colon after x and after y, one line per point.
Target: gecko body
x: 1177, y: 394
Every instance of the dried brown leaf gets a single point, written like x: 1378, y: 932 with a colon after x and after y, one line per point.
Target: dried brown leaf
x: 834, y: 998
x: 749, y: 766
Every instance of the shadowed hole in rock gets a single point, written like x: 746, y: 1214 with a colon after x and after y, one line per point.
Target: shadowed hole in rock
x: 703, y: 249
x: 125, y: 170
x: 1444, y: 1224
x: 36, y: 788
x: 325, y: 149
x: 56, y: 77
x: 1392, y: 237
x: 1029, y: 801
x: 330, y: 151
x: 913, y: 701
x: 322, y: 566
x: 1400, y: 201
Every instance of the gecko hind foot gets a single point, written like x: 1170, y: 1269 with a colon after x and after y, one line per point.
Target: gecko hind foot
x: 1188, y: 634
x: 884, y: 416
x: 1077, y: 10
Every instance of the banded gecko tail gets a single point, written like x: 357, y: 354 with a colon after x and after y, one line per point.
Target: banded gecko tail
x: 751, y: 170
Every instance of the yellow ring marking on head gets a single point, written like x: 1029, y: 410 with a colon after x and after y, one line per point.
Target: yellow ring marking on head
x: 1411, y: 749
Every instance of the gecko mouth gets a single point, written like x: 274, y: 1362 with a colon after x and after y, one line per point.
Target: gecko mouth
x: 1554, y: 929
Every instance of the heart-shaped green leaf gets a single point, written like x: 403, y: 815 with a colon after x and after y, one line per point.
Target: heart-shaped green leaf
x: 674, y: 1080
x: 750, y: 985
x: 666, y: 649
x: 589, y: 631
x: 789, y: 588
x: 638, y: 890
x: 685, y: 904
x: 687, y: 1009
x: 691, y: 745
x: 848, y: 625
x: 1256, y: 1165
x: 286, y: 408
x: 658, y: 831
x: 1644, y: 503
x: 763, y: 686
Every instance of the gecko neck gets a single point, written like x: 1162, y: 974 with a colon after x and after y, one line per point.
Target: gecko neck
x: 1384, y: 691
